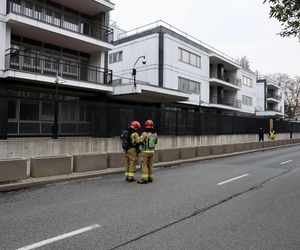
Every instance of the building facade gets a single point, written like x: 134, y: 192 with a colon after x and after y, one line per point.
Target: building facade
x: 195, y: 75
x: 270, y: 98
x: 43, y: 42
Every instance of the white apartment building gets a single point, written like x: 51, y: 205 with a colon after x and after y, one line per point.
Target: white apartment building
x: 270, y: 98
x: 179, y: 69
x: 43, y: 42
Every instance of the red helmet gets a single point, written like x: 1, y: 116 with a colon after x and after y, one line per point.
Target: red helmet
x: 135, y: 125
x: 148, y: 124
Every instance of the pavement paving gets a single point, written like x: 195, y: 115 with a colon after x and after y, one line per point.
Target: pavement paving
x: 33, y: 182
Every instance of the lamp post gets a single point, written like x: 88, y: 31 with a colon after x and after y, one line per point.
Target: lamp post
x: 134, y: 69
x: 58, y: 80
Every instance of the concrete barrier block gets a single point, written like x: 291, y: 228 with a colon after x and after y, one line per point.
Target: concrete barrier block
x: 203, y: 151
x: 187, y: 153
x: 89, y: 162
x: 271, y: 144
x: 217, y: 150
x: 266, y: 144
x: 280, y: 142
x: 254, y: 145
x: 168, y: 154
x: 229, y: 148
x: 13, y: 169
x: 239, y: 147
x: 276, y: 143
x: 248, y: 146
x: 260, y: 144
x: 116, y: 160
x: 156, y: 156
x: 50, y: 165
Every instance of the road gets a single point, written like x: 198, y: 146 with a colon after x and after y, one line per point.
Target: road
x: 250, y: 201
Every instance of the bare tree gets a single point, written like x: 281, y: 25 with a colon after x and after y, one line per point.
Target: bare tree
x: 291, y: 88
x: 244, y: 62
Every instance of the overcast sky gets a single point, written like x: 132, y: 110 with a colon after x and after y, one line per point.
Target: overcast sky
x: 235, y: 27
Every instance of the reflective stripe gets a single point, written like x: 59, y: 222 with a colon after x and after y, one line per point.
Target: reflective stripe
x: 145, y: 176
x: 131, y: 174
x: 151, y: 175
x: 148, y: 151
x: 126, y: 173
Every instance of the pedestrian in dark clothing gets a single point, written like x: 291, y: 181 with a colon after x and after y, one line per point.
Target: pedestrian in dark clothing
x: 261, y: 134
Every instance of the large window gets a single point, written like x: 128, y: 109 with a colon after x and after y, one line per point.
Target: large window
x: 116, y: 57
x: 247, y: 81
x: 189, y: 58
x: 187, y: 85
x: 247, y: 100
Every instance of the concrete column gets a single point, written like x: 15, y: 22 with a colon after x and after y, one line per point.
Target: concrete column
x: 220, y: 71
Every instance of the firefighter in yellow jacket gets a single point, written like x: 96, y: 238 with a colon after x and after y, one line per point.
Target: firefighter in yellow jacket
x: 272, y: 134
x: 130, y: 146
x: 148, y: 140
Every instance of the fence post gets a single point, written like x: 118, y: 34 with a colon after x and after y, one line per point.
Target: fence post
x: 3, y: 111
x: 176, y: 123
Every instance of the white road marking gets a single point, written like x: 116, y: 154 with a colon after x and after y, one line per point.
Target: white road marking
x: 285, y: 162
x: 59, y: 237
x: 233, y: 179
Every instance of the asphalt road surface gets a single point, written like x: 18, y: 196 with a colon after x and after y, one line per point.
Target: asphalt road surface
x: 250, y: 201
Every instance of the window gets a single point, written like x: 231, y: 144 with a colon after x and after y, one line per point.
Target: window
x: 15, y: 6
x: 85, y: 113
x: 37, y: 12
x: 29, y: 110
x: 28, y: 9
x: 247, y: 81
x: 47, y: 111
x: 247, y: 100
x: 187, y: 85
x: 12, y: 109
x: 70, y: 23
x: 189, y: 58
x: 116, y: 57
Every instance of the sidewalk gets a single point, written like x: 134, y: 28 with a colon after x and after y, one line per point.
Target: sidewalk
x: 33, y: 182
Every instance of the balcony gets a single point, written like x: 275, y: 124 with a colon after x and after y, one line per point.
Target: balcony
x: 273, y: 98
x: 225, y: 79
x: 274, y: 109
x: 227, y: 101
x: 47, y: 65
x: 66, y: 20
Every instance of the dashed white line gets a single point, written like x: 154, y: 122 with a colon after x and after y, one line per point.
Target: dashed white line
x: 285, y: 162
x: 233, y: 179
x: 59, y: 237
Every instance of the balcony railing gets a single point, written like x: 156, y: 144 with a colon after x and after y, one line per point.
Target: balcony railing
x: 62, y: 19
x: 26, y: 61
x: 227, y: 78
x: 278, y: 110
x: 276, y: 97
x: 232, y: 102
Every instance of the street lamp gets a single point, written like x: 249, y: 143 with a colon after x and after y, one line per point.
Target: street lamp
x: 134, y: 69
x: 58, y: 80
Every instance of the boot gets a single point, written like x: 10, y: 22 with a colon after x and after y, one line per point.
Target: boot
x: 142, y: 182
x: 150, y: 179
x: 131, y: 180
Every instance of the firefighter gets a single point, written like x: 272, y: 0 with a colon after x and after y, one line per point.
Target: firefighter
x: 131, y: 150
x: 272, y: 134
x: 148, y: 140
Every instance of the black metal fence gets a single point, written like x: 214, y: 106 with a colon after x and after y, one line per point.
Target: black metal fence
x: 21, y: 117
